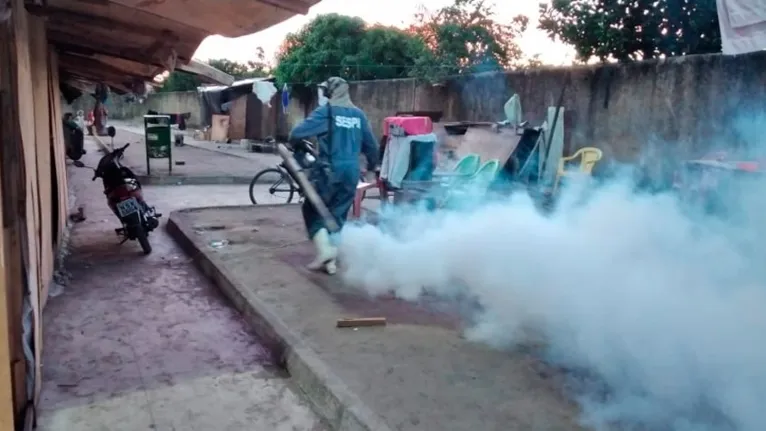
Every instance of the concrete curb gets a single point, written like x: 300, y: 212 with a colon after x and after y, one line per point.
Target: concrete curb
x: 193, y: 180
x: 328, y: 395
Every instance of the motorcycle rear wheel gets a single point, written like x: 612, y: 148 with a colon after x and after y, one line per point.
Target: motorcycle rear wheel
x: 143, y: 239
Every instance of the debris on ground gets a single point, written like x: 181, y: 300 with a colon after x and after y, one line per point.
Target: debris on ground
x: 219, y: 243
x: 79, y: 216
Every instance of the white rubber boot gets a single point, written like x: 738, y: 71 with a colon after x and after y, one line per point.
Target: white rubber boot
x: 331, y: 267
x: 324, y: 249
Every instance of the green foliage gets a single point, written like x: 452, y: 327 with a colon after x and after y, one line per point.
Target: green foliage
x: 460, y: 38
x: 389, y: 53
x: 464, y: 38
x: 253, y: 69
x: 635, y: 30
x: 338, y: 45
x: 182, y: 81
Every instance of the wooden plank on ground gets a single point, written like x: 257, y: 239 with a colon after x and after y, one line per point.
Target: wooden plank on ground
x: 361, y: 322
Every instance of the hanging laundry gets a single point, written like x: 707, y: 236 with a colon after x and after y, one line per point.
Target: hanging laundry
x: 743, y: 25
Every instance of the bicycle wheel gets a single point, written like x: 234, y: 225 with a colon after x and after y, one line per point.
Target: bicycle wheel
x: 272, y: 186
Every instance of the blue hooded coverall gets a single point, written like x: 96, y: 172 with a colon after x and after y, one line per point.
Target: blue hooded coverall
x: 336, y: 184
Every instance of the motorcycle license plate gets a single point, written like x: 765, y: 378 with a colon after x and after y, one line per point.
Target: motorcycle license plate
x: 127, y: 207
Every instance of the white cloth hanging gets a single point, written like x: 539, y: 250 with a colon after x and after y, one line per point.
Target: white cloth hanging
x: 264, y: 90
x: 396, y: 158
x: 743, y: 25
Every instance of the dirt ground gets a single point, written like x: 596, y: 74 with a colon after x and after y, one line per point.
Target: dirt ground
x: 139, y: 343
x: 417, y: 373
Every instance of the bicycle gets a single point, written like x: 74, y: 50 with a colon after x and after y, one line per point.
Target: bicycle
x: 284, y: 183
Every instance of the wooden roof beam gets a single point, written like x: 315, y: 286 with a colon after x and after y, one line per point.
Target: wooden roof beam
x: 295, y: 6
x: 80, y: 82
x: 101, y: 74
x: 207, y: 71
x: 92, y: 64
x: 65, y: 16
x: 126, y: 54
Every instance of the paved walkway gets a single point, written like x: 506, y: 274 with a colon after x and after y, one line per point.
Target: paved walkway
x: 137, y: 343
x: 233, y: 149
x: 417, y: 373
x: 197, y: 164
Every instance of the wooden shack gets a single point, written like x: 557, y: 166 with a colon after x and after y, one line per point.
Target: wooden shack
x: 252, y: 119
x: 249, y: 117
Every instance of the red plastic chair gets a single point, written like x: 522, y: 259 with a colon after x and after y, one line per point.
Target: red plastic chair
x: 361, y: 194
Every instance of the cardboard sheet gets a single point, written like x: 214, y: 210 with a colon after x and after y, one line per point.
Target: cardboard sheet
x: 488, y: 144
x: 219, y: 129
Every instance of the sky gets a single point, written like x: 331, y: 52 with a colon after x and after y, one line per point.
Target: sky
x: 388, y: 12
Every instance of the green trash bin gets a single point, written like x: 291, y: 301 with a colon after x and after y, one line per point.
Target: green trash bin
x: 157, y: 137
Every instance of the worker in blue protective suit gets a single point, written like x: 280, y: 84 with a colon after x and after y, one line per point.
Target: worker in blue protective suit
x: 343, y: 132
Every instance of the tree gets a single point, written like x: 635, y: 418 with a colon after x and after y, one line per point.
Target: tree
x: 252, y: 69
x: 464, y: 38
x: 180, y: 81
x: 337, y: 45
x: 460, y: 38
x: 633, y: 30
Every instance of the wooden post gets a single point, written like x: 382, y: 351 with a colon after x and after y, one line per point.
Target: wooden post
x: 6, y: 379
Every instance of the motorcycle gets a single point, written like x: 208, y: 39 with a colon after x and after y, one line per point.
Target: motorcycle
x: 125, y: 198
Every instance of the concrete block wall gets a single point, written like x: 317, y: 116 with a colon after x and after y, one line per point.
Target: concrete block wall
x: 683, y: 106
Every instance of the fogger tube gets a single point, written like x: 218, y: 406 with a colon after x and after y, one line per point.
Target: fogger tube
x: 308, y: 190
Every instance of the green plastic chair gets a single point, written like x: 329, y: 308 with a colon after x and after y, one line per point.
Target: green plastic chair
x: 468, y: 165
x: 484, y: 176
x: 463, y: 170
x: 474, y: 189
x: 442, y: 182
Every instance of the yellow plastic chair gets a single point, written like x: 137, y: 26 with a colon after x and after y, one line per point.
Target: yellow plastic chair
x: 588, y: 157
